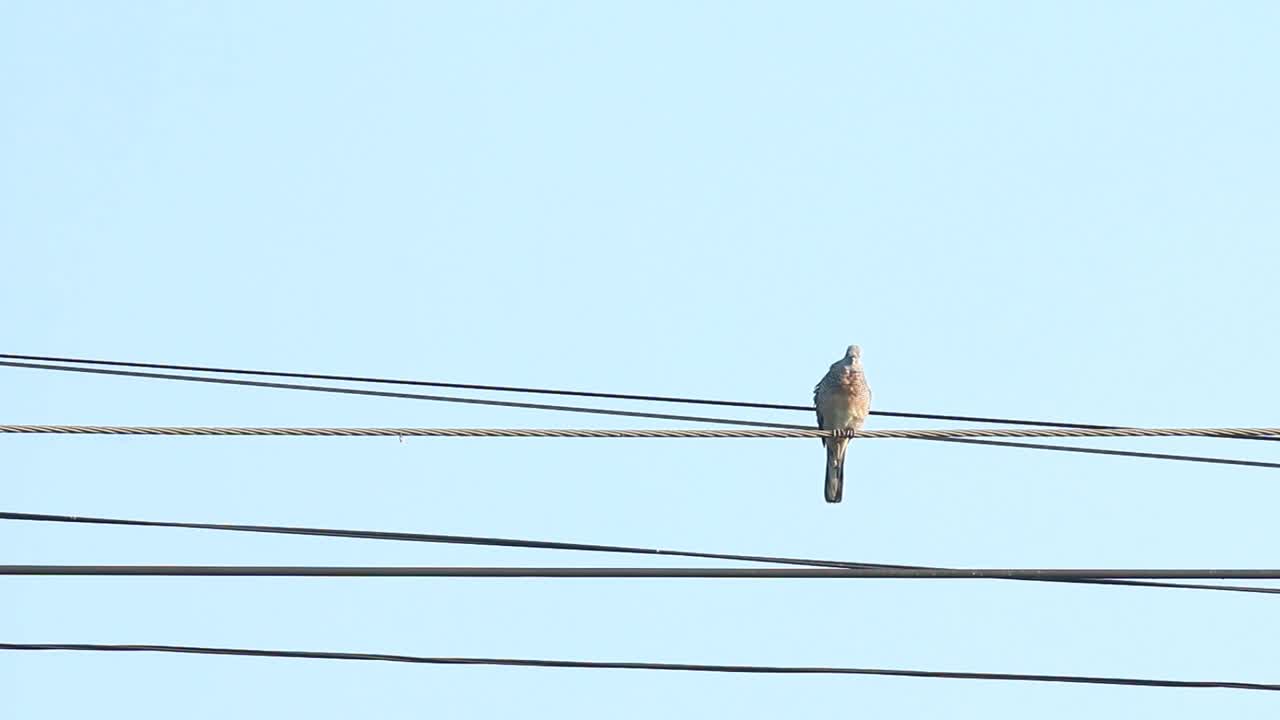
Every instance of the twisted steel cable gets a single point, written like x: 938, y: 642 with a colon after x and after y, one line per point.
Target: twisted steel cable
x: 772, y: 433
x: 751, y: 573
x: 659, y: 416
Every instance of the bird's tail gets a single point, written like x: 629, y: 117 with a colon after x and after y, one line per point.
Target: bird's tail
x: 835, y: 470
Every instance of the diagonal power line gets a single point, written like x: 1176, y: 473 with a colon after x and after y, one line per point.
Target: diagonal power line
x: 551, y: 545
x: 809, y: 573
x: 603, y: 411
x: 1121, y: 453
x: 544, y: 391
x: 679, y: 667
x: 706, y: 433
x: 513, y: 389
x: 404, y: 396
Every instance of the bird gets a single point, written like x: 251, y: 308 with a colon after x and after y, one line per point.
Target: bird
x: 843, y: 401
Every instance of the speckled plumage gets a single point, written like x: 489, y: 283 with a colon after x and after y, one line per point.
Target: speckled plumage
x: 843, y: 400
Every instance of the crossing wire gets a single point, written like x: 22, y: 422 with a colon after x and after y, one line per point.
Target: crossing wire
x: 548, y: 545
x: 543, y: 391
x: 814, y: 573
x: 547, y: 391
x: 613, y: 665
x: 526, y: 390
x: 624, y: 413
x: 773, y: 433
x: 405, y: 396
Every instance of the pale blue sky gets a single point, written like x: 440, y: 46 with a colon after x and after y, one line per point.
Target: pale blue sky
x: 1051, y: 210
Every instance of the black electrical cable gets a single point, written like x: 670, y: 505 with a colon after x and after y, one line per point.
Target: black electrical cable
x: 546, y: 391
x: 549, y: 545
x: 603, y: 665
x: 458, y: 571
x: 607, y: 411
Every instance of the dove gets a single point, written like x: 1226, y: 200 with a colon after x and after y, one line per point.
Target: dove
x: 843, y: 401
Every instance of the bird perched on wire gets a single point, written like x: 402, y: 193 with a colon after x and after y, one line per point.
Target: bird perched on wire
x: 843, y: 401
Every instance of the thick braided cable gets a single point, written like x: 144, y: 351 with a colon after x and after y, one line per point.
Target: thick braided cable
x: 655, y: 433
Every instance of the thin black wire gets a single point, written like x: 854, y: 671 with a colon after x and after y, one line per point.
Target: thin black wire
x: 410, y: 396
x: 606, y: 411
x: 551, y: 545
x: 507, y: 388
x: 545, y: 391
x: 1121, y: 453
x: 814, y: 573
x: 681, y: 667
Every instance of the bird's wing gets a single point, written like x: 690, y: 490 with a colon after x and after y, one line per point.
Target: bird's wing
x: 817, y: 405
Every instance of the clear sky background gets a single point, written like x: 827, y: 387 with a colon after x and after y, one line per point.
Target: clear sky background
x: 1047, y: 210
